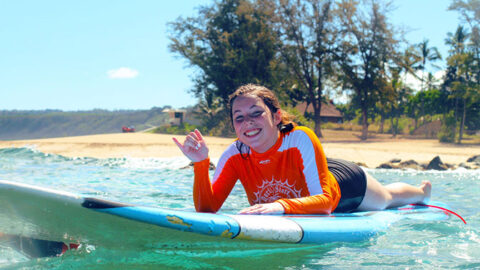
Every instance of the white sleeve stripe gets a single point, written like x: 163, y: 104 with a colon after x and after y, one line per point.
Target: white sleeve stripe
x: 230, y: 152
x: 300, y: 139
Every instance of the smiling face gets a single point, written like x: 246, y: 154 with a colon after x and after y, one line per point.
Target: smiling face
x: 254, y: 124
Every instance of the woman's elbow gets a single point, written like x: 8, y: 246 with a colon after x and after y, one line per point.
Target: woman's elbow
x: 205, y: 209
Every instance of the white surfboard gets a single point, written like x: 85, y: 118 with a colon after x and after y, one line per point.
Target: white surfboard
x: 44, y: 213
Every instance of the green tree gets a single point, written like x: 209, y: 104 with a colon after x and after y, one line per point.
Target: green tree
x: 465, y: 88
x: 431, y: 82
x: 462, y: 80
x: 384, y: 105
x: 434, y: 101
x: 413, y: 108
x: 426, y: 54
x: 457, y: 41
x: 210, y: 109
x: 470, y: 14
x: 367, y: 47
x: 398, y: 100
x: 407, y: 63
x: 307, y: 34
x: 230, y: 43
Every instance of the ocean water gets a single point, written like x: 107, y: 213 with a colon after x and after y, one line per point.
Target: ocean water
x: 162, y: 182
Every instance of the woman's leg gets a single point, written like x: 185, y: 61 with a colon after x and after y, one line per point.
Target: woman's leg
x: 379, y: 197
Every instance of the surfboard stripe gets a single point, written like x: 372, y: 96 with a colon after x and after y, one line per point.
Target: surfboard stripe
x: 203, y: 223
x: 95, y: 203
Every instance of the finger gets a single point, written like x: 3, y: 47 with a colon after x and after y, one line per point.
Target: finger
x: 182, y: 147
x: 273, y: 209
x: 193, y: 145
x: 250, y: 210
x: 192, y: 142
x: 267, y: 211
x: 199, y: 135
x: 248, y: 213
x: 177, y: 143
x: 244, y: 211
x: 194, y: 136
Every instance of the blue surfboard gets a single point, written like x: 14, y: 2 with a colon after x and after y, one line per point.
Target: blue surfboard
x: 43, y: 213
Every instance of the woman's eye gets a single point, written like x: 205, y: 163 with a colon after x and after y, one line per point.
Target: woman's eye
x: 239, y: 119
x: 257, y: 114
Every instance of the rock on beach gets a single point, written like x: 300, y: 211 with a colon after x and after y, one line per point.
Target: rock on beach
x: 435, y: 164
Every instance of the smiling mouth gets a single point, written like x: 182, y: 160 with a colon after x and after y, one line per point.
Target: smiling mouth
x: 252, y: 133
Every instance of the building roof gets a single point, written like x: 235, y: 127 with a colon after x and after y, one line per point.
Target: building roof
x: 327, y: 109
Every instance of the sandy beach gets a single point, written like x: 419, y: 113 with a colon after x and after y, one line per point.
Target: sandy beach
x: 336, y: 144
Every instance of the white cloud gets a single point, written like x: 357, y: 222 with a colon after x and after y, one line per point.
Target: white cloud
x: 415, y: 83
x: 122, y: 73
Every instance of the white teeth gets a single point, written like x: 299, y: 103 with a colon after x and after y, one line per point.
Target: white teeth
x: 252, y: 133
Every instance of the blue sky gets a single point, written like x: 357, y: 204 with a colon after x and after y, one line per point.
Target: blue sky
x: 82, y: 55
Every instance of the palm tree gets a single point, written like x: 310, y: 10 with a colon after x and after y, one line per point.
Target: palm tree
x: 408, y: 62
x: 431, y: 81
x: 399, y: 92
x: 426, y: 54
x: 457, y: 42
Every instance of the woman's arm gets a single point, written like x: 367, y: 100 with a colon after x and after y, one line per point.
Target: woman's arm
x: 316, y: 204
x: 207, y: 197
x: 210, y: 197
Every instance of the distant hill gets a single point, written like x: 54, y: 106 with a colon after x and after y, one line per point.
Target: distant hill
x: 18, y: 125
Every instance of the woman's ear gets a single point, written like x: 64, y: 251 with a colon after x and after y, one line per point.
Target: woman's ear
x: 277, y: 117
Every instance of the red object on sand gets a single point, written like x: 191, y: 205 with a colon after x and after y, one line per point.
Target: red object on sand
x: 128, y: 129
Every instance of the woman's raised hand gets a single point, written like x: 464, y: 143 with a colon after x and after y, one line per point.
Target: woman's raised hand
x: 194, y: 146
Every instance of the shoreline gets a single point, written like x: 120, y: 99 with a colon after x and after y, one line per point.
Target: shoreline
x: 336, y: 144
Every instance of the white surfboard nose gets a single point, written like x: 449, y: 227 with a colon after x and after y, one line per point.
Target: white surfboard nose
x: 268, y: 228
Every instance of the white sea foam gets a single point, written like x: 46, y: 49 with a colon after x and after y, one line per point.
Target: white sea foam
x: 155, y: 163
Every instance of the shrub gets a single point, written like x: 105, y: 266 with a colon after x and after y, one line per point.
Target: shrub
x: 299, y: 118
x: 177, y: 130
x: 333, y: 126
x: 447, y: 131
x: 350, y: 126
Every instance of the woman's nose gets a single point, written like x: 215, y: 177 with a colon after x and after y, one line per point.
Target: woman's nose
x: 249, y: 119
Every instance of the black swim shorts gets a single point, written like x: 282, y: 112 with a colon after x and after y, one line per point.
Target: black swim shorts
x: 352, y: 181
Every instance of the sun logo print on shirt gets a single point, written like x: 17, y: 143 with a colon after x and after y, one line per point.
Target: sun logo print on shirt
x: 272, y: 190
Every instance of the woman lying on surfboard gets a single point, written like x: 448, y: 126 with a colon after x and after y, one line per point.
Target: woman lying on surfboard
x: 283, y: 168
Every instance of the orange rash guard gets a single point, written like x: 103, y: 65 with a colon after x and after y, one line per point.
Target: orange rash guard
x: 293, y: 173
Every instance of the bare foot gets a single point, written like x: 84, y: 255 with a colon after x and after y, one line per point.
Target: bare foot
x: 426, y: 186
